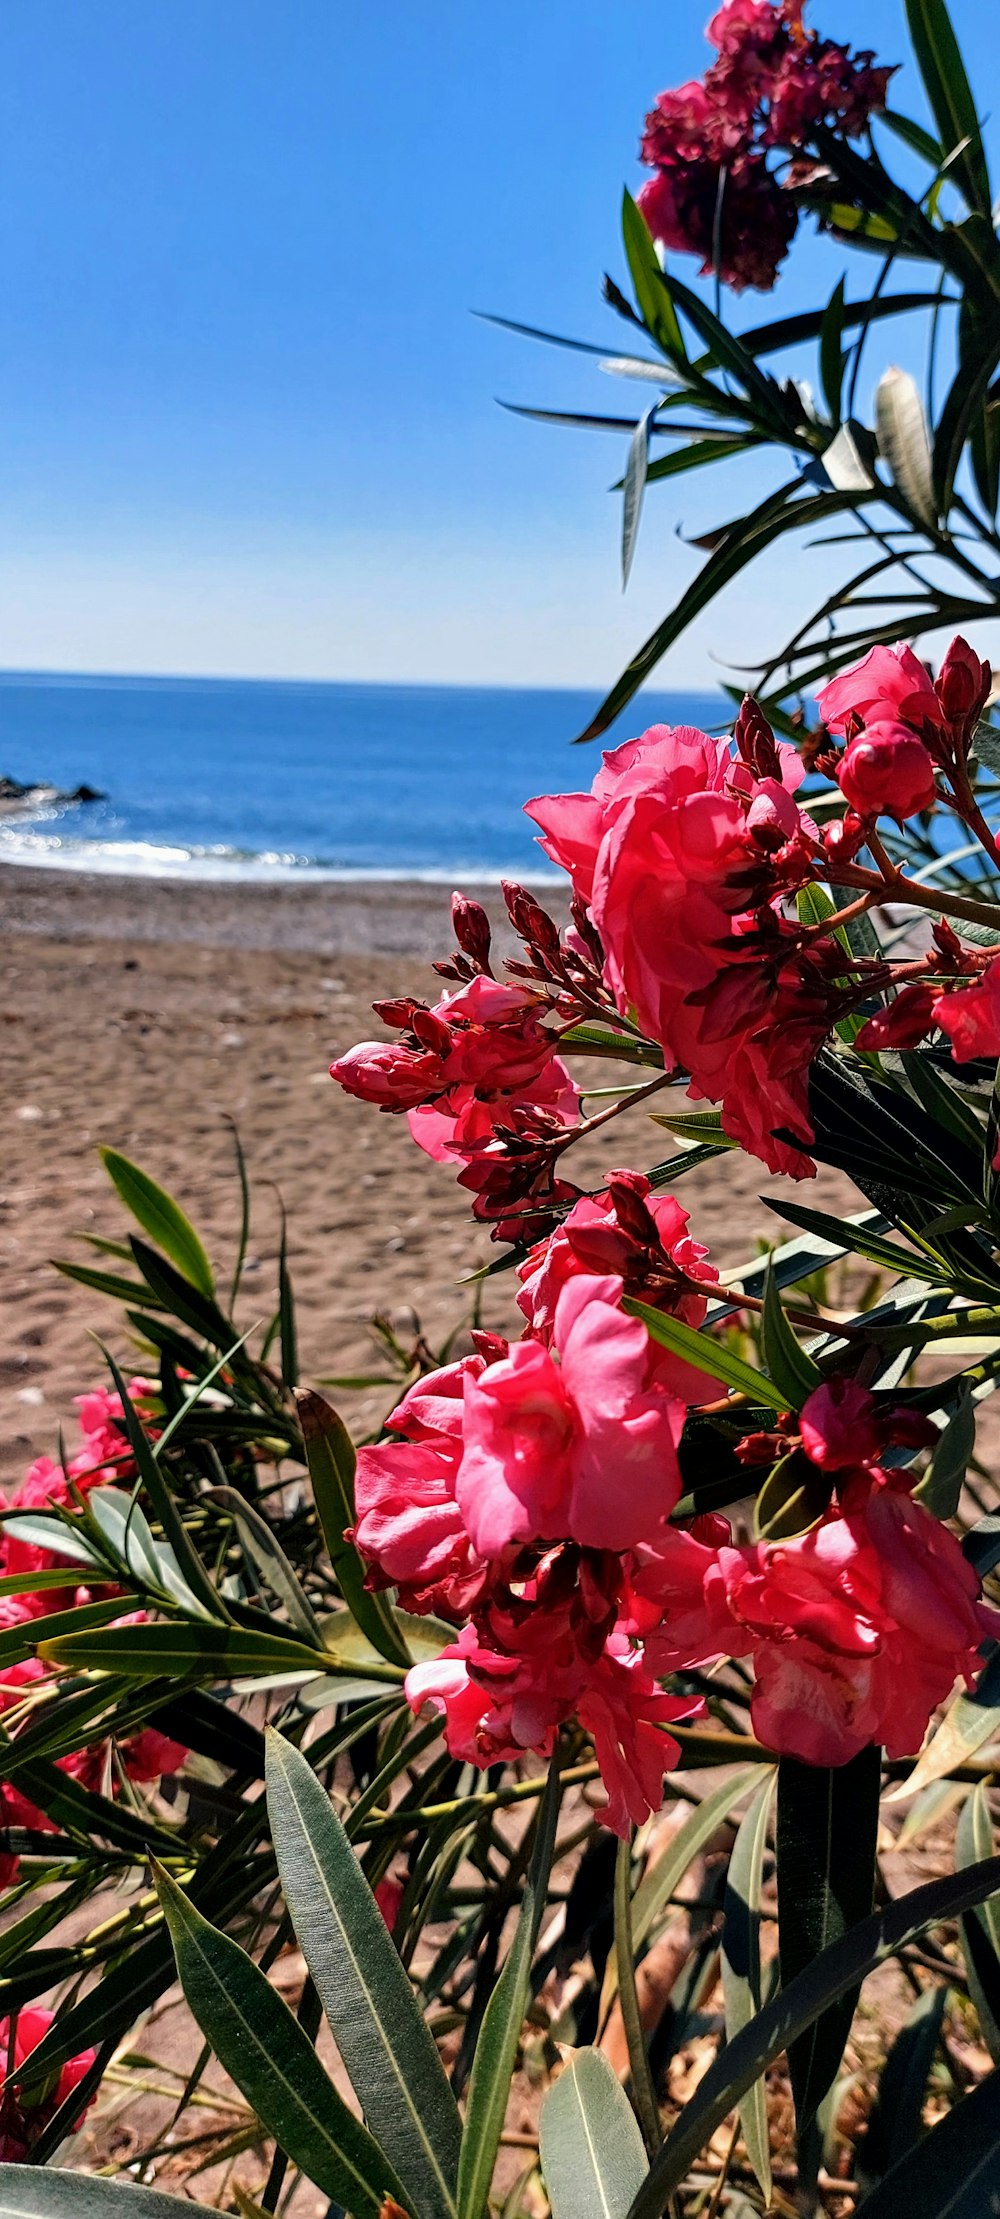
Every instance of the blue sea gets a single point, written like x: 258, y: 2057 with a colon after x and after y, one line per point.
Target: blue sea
x: 229, y: 779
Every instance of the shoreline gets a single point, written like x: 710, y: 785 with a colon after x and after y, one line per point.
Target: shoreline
x: 335, y: 916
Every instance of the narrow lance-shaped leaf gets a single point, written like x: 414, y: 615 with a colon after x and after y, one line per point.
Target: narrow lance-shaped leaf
x: 952, y: 2172
x: 651, y: 290
x: 593, y: 2161
x: 259, y: 2042
x: 741, y: 1965
x: 895, y: 2123
x: 794, y: 2009
x: 203, y: 1593
x: 940, y: 1490
x: 951, y: 100
x: 265, y: 1551
x: 162, y: 1218
x: 50, y: 2194
x: 496, y: 2049
x: 794, y: 1372
x: 331, y: 1460
x: 708, y: 1353
x: 827, y: 1830
x: 390, y: 2055
x: 980, y: 1928
x: 660, y: 1882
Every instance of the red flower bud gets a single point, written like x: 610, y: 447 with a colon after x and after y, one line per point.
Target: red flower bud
x: 471, y: 927
x: 901, y: 1023
x: 887, y: 769
x: 963, y: 684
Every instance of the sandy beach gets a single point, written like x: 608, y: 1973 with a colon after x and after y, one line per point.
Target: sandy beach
x: 147, y: 1014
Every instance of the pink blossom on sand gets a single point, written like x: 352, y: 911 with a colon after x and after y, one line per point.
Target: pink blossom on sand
x: 408, y: 1524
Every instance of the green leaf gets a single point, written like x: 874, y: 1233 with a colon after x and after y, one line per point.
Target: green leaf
x: 389, y: 2054
x: 952, y: 2172
x: 917, y: 139
x: 260, y: 2043
x: 162, y: 1218
x: 793, y: 1498
x: 708, y: 1352
x: 651, y: 289
x: 952, y: 105
x: 331, y: 1459
x: 152, y: 1652
x: 592, y: 2157
x: 781, y: 512
x: 940, y: 1490
x: 189, y: 1562
x: 496, y: 2049
x: 860, y: 1242
x: 741, y: 1983
x: 793, y: 2011
x: 827, y: 1830
x: 794, y: 1372
x: 660, y: 1882
x: 980, y: 1928
x: 904, y: 443
x: 117, y: 1288
x: 265, y: 1551
x: 895, y: 2123
x: 831, y: 352
x: 44, y: 2193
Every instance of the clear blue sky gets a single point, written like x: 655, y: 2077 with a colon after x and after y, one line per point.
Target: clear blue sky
x: 247, y: 423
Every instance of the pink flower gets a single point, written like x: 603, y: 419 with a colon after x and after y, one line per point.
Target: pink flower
x: 408, y: 1524
x: 888, y: 686
x: 497, y: 1705
x: 858, y: 1629
x: 887, y: 769
x: 734, y: 216
x: 970, y: 1015
x: 643, y: 1238
x: 21, y: 2121
x: 570, y: 1442
x: 463, y: 1067
x: 840, y: 1425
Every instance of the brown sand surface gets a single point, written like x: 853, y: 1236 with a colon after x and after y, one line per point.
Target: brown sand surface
x: 146, y: 1015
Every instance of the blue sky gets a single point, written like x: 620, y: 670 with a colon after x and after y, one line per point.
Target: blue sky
x: 247, y: 423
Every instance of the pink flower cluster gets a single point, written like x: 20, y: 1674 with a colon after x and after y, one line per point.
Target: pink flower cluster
x: 527, y: 1493
x: 899, y: 723
x: 771, y: 85
x: 479, y: 1063
x: 22, y: 2122
x: 685, y: 854
x: 103, y: 1457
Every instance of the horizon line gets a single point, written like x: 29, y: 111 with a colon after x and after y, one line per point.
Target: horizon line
x: 16, y: 672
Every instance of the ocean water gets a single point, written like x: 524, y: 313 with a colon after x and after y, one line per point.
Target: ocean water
x: 231, y: 779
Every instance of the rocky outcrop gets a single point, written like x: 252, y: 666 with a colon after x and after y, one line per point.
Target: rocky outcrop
x: 20, y: 800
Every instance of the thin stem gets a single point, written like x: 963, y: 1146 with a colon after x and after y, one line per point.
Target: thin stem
x: 643, y: 2091
x: 614, y: 1109
x: 893, y: 886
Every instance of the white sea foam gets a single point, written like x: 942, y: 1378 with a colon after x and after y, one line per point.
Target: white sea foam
x: 232, y: 866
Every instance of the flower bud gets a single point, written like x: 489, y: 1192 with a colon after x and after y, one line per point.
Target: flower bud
x: 471, y: 927
x: 887, y: 769
x: 964, y: 684
x: 901, y: 1023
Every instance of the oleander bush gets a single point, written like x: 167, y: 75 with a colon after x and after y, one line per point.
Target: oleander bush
x: 590, y: 1729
